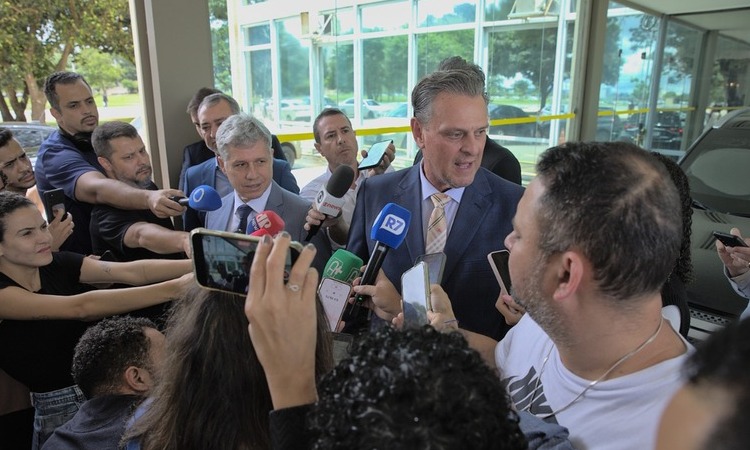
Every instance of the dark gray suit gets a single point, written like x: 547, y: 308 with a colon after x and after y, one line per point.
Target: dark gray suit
x: 481, y: 224
x: 290, y: 207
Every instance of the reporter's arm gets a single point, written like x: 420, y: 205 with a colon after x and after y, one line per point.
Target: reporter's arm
x: 136, y: 273
x: 93, y: 187
x: 19, y: 304
x: 156, y: 238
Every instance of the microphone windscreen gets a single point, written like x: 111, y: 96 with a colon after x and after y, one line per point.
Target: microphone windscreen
x: 343, y: 266
x: 391, y: 225
x: 265, y: 222
x: 341, y: 180
x: 204, y: 198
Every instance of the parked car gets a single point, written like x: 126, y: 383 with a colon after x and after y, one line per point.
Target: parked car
x: 608, y: 124
x: 29, y: 134
x: 370, y: 108
x: 666, y: 134
x: 717, y: 165
x: 515, y: 129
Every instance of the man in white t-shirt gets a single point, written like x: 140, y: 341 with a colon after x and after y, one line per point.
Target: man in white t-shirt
x: 595, y: 237
x: 336, y: 141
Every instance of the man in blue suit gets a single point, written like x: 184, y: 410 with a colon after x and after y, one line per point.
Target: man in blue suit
x: 212, y: 112
x: 244, y: 146
x: 449, y: 125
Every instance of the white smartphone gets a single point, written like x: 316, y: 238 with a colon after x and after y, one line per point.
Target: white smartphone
x: 333, y: 295
x: 415, y: 290
x: 499, y: 262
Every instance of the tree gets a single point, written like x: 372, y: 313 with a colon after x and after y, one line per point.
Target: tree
x: 220, y: 45
x: 100, y: 69
x: 38, y: 37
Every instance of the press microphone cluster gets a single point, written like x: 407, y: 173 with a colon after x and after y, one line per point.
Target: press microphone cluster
x: 265, y: 223
x: 330, y: 199
x: 203, y: 198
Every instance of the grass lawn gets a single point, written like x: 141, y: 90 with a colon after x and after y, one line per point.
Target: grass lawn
x: 119, y: 100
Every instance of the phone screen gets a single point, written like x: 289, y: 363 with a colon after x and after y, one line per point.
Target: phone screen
x: 499, y: 262
x: 333, y: 295
x: 374, y: 154
x: 222, y: 262
x: 415, y: 290
x: 435, y: 265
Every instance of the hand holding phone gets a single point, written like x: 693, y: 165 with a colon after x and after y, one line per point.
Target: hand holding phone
x: 374, y: 155
x: 333, y: 295
x: 54, y: 204
x: 729, y: 240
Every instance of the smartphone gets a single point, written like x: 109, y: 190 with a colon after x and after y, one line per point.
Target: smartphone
x: 435, y: 266
x: 415, y: 291
x: 54, y: 204
x: 729, y: 240
x: 222, y: 260
x: 333, y: 295
x: 374, y: 155
x: 499, y: 262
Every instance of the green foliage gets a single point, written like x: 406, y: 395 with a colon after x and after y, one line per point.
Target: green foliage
x: 435, y: 47
x: 100, y: 69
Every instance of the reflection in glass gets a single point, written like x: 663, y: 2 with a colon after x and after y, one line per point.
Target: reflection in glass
x: 294, y: 64
x: 258, y: 35
x: 386, y: 17
x: 338, y: 72
x: 445, y: 12
x: 259, y: 71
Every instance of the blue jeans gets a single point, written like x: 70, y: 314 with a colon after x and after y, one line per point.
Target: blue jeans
x: 53, y: 409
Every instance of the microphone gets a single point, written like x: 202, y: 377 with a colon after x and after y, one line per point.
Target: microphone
x: 388, y: 231
x: 343, y: 266
x: 330, y: 199
x: 203, y: 198
x: 265, y: 223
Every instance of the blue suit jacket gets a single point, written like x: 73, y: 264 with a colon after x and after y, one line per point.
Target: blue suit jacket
x: 204, y: 173
x: 481, y: 224
x: 290, y: 207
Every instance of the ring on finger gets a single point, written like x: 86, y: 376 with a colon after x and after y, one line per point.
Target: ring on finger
x: 293, y: 287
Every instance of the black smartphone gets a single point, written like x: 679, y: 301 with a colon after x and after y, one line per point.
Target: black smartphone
x: 54, y: 204
x: 499, y: 262
x: 435, y: 265
x: 374, y: 155
x: 729, y: 240
x: 222, y: 260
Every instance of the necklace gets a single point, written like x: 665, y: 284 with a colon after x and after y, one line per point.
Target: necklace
x: 595, y: 382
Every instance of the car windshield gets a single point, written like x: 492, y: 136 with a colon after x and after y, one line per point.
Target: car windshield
x: 718, y: 170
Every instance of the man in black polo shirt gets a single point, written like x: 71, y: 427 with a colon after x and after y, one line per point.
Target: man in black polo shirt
x: 130, y: 234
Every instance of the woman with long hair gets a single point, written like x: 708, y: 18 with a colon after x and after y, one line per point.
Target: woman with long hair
x: 45, y: 298
x: 212, y: 393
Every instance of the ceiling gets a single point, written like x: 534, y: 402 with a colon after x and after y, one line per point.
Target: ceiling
x: 730, y: 17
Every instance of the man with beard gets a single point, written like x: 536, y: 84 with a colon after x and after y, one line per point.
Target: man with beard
x: 595, y: 236
x: 131, y: 234
x: 67, y: 160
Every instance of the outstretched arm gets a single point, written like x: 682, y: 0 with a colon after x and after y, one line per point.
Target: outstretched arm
x: 157, y: 238
x: 135, y: 273
x: 93, y: 187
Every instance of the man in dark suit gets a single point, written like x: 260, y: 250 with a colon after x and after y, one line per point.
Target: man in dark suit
x: 449, y: 125
x: 212, y: 112
x: 197, y: 152
x: 244, y: 146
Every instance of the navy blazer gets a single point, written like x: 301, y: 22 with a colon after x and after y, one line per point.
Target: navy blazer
x: 290, y: 207
x: 481, y: 224
x: 204, y: 173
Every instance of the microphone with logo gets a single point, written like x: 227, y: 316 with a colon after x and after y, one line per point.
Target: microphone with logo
x: 203, y: 198
x: 265, y: 223
x: 388, y: 231
x: 330, y: 199
x: 343, y: 266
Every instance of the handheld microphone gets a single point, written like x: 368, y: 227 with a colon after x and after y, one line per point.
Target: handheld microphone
x: 388, y: 231
x: 265, y: 223
x: 343, y: 266
x: 203, y: 198
x: 330, y: 199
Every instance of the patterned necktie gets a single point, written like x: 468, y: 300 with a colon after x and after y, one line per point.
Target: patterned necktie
x: 437, y: 229
x: 243, y: 211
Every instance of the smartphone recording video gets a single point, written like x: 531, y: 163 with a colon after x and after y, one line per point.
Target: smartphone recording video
x: 499, y: 262
x: 222, y: 260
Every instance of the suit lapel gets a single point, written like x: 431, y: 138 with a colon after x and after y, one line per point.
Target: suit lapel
x: 471, y: 212
x: 409, y: 196
x: 275, y: 201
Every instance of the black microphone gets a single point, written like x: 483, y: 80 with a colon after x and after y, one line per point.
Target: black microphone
x: 330, y: 199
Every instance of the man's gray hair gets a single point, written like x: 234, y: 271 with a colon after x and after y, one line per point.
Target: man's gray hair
x: 241, y: 130
x: 454, y: 81
x: 214, y: 99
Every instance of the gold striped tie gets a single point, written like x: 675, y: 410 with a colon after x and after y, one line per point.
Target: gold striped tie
x: 437, y: 229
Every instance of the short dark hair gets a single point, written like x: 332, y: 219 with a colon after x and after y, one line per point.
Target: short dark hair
x: 723, y: 362
x: 9, y: 203
x: 108, y: 348
x: 50, y: 86
x: 458, y: 63
x: 456, y: 81
x: 416, y: 388
x: 195, y: 101
x: 5, y: 136
x: 104, y: 134
x: 617, y: 204
x: 327, y: 112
